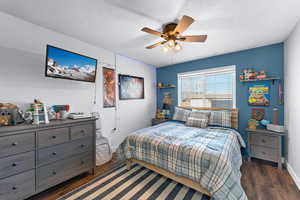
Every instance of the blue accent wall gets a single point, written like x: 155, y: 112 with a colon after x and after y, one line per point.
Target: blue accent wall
x: 269, y: 58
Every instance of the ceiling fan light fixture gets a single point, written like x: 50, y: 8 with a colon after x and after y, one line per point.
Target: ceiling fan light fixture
x: 166, y: 48
x: 178, y: 47
x: 171, y: 43
x: 172, y: 33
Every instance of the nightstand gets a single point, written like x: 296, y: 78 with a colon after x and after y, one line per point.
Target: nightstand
x: 156, y: 121
x: 265, y: 144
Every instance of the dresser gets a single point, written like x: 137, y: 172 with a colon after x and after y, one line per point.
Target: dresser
x: 266, y: 145
x: 34, y: 158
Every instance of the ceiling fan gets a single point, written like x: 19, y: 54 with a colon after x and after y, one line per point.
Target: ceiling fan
x: 172, y: 34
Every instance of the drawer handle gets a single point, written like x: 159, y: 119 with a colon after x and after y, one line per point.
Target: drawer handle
x: 14, y: 144
x: 82, y: 131
x: 263, y: 153
x: 82, y: 162
x: 263, y: 141
x: 14, y: 187
x: 53, y: 137
x: 54, y: 172
x: 14, y: 164
x: 54, y: 153
x: 82, y: 146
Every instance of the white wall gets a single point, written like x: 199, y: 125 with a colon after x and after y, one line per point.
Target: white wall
x: 292, y: 101
x: 22, y: 64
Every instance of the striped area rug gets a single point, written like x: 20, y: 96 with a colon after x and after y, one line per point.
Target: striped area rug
x: 137, y: 183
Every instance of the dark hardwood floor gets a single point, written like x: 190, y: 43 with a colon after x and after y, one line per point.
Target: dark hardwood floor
x: 261, y: 180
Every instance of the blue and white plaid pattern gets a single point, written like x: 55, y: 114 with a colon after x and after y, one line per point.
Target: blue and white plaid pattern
x: 181, y: 114
x: 220, y: 118
x: 209, y: 156
x: 198, y: 119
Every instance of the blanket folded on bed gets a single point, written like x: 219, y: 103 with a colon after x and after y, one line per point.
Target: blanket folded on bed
x: 209, y: 156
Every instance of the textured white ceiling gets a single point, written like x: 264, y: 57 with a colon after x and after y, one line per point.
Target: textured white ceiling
x: 231, y: 25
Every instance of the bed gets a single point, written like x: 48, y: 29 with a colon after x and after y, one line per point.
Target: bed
x: 207, y: 160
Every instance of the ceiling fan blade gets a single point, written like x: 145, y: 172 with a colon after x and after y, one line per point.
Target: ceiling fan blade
x: 156, y: 45
x: 183, y: 24
x: 153, y: 32
x: 193, y: 38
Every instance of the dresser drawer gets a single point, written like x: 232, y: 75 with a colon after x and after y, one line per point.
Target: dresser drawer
x: 10, y: 145
x: 50, y: 175
x: 264, y: 140
x: 16, y: 164
x: 18, y: 187
x: 58, y: 152
x: 53, y: 136
x: 264, y: 153
x: 81, y: 131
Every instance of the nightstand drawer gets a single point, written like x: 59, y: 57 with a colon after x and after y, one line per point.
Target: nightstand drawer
x: 264, y: 153
x: 264, y: 140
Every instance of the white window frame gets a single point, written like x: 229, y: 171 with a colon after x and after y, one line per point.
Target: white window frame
x: 221, y: 70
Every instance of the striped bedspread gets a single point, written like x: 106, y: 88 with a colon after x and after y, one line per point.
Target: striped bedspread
x: 209, y: 156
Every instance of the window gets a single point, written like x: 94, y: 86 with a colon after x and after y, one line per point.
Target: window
x: 207, y: 88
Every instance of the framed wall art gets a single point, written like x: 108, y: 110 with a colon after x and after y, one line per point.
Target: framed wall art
x: 259, y: 94
x: 109, y: 87
x: 131, y: 87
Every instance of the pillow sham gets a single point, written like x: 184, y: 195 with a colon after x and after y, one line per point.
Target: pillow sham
x: 219, y: 118
x: 198, y: 119
x: 181, y: 114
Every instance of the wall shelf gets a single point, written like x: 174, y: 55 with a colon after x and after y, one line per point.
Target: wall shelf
x: 165, y: 87
x: 273, y: 79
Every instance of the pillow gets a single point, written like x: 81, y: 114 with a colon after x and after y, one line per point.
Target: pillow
x: 198, y: 119
x: 218, y: 117
x: 181, y: 114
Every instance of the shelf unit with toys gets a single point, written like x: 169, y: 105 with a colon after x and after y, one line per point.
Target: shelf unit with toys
x: 249, y: 75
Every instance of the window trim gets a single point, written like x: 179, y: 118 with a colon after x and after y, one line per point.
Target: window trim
x: 216, y: 70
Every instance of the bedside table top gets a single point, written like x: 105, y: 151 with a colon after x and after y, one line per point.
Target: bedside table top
x: 265, y: 131
x: 156, y: 119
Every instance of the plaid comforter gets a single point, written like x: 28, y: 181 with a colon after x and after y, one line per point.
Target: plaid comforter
x: 209, y: 156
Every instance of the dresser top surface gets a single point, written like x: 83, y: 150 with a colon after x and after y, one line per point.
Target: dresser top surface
x: 53, y: 123
x: 265, y: 131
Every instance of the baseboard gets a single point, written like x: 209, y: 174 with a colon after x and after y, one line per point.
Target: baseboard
x: 293, y: 175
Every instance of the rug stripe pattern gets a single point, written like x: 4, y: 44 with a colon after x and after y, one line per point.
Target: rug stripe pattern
x: 138, y: 183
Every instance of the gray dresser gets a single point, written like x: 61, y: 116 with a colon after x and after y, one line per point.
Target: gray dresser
x: 34, y: 158
x: 266, y: 145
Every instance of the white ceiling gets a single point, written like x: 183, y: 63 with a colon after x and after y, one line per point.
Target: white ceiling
x: 231, y: 25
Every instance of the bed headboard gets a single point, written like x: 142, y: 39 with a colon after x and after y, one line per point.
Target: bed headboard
x: 234, y: 114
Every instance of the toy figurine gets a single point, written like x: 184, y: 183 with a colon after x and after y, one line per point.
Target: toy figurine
x: 252, y: 75
x: 246, y: 75
x: 242, y: 76
x: 252, y: 124
x: 262, y: 75
x: 159, y: 115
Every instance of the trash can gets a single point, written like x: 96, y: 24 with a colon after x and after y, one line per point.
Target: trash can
x: 103, y: 151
